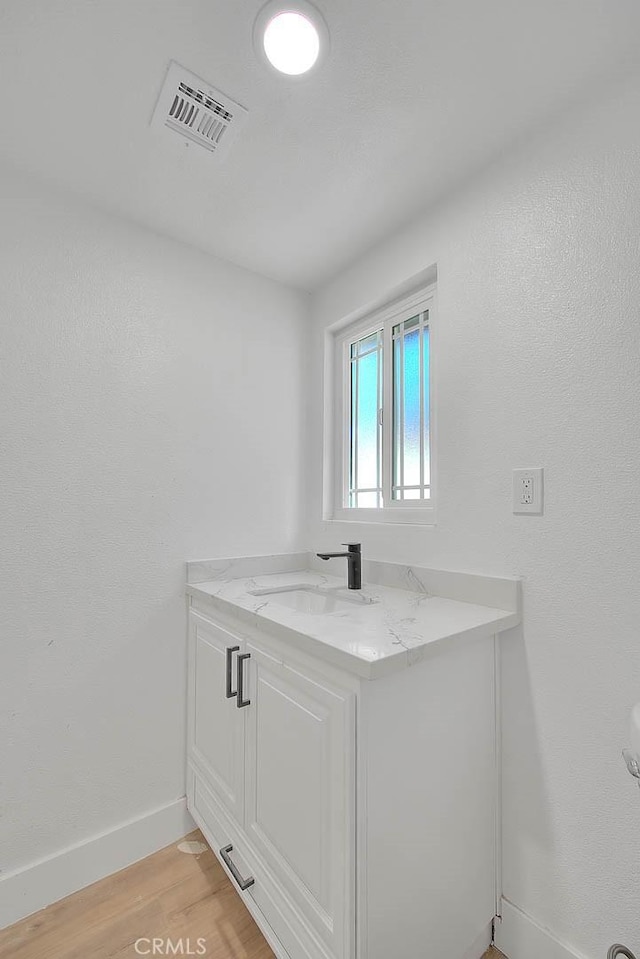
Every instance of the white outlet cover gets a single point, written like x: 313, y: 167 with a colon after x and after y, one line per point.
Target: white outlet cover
x: 528, y: 490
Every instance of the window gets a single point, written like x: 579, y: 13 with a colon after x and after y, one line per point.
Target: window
x: 384, y: 419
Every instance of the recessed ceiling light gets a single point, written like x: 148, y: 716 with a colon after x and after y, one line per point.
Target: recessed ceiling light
x: 292, y: 37
x: 291, y: 43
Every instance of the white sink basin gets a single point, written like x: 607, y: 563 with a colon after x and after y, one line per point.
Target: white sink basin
x: 316, y: 602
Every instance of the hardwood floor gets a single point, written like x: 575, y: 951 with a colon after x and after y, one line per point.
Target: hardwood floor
x: 169, y: 895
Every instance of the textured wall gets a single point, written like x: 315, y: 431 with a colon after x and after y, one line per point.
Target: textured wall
x: 538, y: 364
x: 141, y: 424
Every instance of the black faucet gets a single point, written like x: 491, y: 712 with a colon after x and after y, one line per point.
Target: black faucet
x: 354, y: 563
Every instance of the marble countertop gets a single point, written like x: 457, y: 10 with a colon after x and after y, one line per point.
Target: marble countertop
x: 374, y: 631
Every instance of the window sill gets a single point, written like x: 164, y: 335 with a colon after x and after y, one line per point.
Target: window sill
x: 399, y: 516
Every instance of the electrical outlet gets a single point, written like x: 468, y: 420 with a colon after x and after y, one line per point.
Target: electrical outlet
x: 527, y: 491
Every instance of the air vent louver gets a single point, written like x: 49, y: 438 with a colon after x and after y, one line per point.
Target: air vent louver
x: 196, y: 111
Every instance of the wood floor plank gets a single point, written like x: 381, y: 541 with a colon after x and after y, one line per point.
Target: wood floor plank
x: 170, y: 895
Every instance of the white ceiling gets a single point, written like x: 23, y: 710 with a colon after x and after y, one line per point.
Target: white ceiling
x: 414, y: 95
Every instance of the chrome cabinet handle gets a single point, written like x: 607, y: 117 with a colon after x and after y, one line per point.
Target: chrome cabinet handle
x: 230, y: 651
x: 241, y: 700
x: 242, y: 883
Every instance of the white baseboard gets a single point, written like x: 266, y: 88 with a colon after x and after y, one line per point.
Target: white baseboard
x: 44, y: 882
x: 520, y: 937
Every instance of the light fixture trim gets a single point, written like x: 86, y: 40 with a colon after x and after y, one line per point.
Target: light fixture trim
x: 302, y: 8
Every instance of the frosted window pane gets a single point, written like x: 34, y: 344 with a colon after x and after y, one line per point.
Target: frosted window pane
x: 409, y: 431
x: 412, y: 409
x: 427, y: 412
x: 365, y: 467
x: 352, y: 426
x: 410, y: 466
x: 397, y: 415
x: 367, y: 422
x: 365, y: 345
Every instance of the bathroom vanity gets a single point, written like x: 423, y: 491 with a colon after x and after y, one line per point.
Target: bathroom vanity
x: 342, y: 751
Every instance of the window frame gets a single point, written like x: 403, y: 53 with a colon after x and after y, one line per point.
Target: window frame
x: 399, y: 511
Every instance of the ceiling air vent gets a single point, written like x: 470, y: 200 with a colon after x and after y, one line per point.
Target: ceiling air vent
x: 196, y: 111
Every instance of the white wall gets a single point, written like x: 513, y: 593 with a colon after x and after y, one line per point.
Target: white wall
x: 538, y: 364
x: 141, y: 424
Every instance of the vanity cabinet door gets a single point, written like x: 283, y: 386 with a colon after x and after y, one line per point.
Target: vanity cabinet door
x: 299, y: 789
x: 216, y: 725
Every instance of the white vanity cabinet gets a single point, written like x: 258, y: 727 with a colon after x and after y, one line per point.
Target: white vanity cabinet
x: 271, y: 774
x: 356, y: 817
x: 216, y: 730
